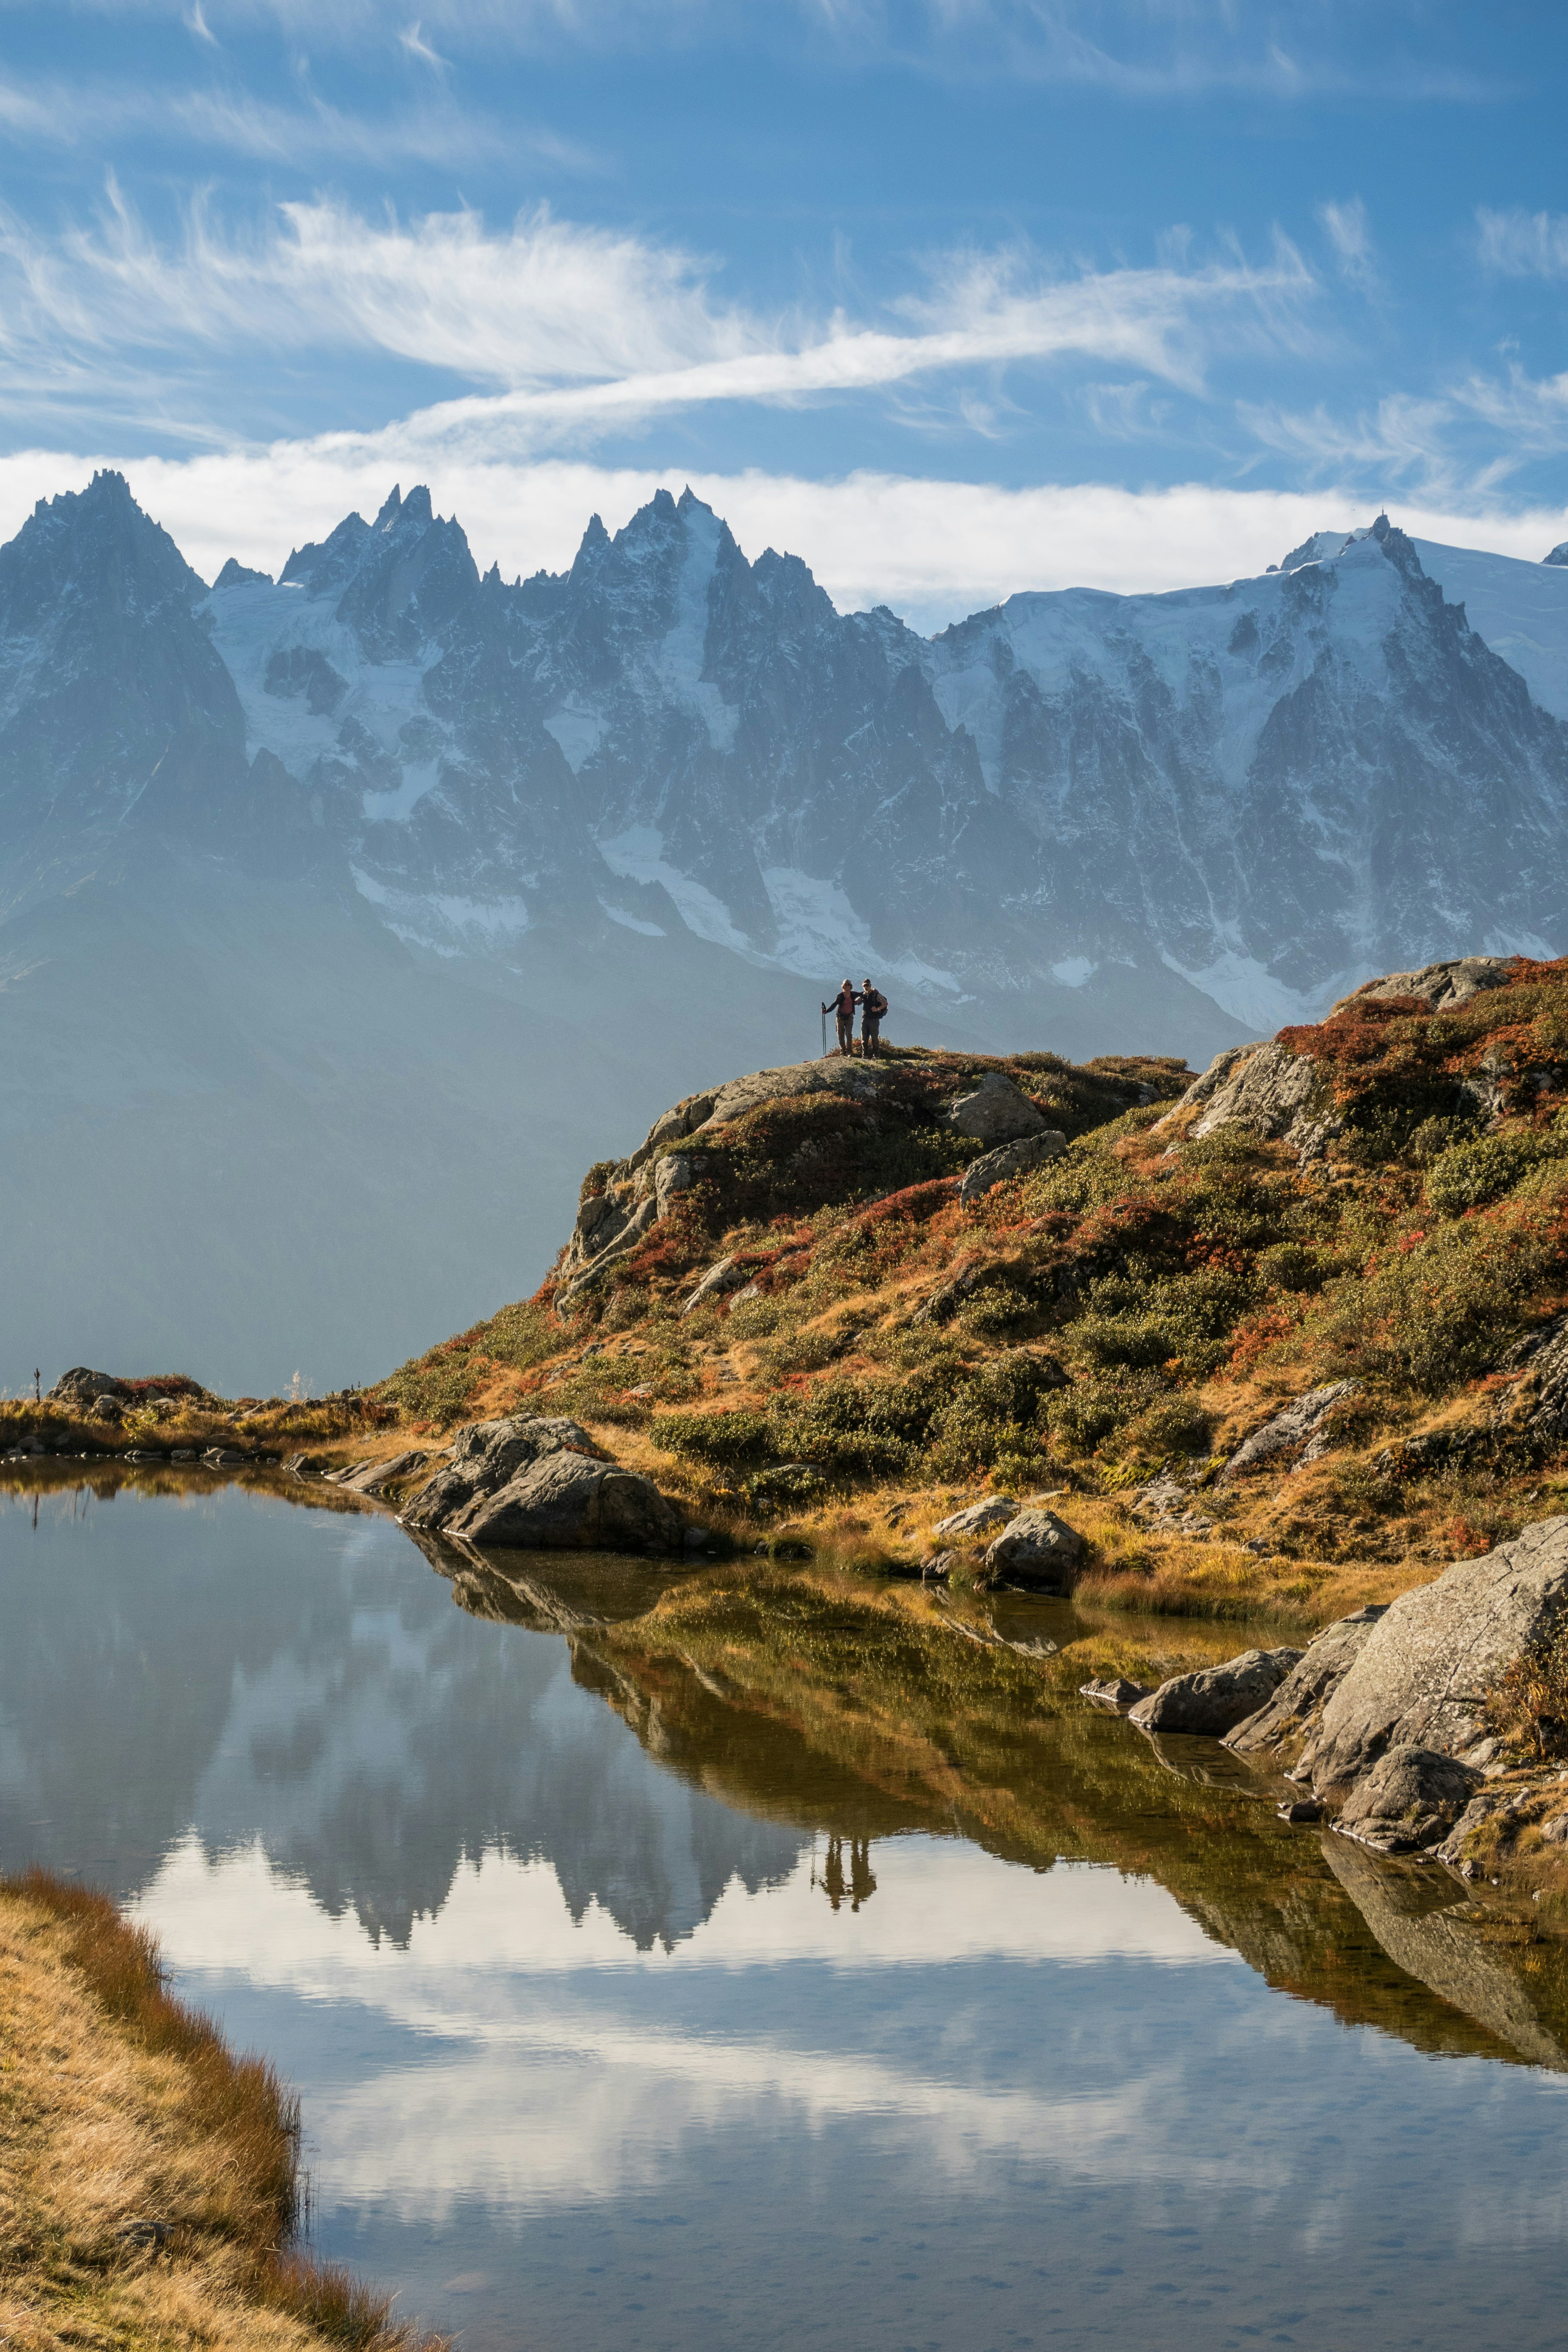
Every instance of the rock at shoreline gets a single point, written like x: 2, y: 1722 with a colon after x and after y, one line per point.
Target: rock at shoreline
x: 1421, y: 1677
x: 534, y: 1482
x: 565, y: 1503
x: 1291, y: 1714
x: 1117, y: 1692
x: 1017, y: 1159
x: 375, y: 1478
x: 1410, y: 1799
x: 1036, y: 1550
x: 1216, y: 1699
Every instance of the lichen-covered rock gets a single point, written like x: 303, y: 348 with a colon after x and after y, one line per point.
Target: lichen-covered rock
x: 1217, y: 1698
x: 1410, y: 1799
x: 997, y: 1111
x: 978, y: 1518
x: 1536, y: 1408
x: 1440, y: 986
x: 1036, y: 1549
x: 1284, y: 1721
x: 1422, y: 1675
x: 1016, y: 1158
x: 1298, y: 1424
x: 1266, y: 1090
x: 725, y: 1275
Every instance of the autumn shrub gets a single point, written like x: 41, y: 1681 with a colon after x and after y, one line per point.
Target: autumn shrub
x: 1527, y: 1706
x: 722, y: 1440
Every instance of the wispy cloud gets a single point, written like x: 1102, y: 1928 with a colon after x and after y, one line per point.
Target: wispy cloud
x: 1517, y: 244
x: 83, y: 115
x: 933, y: 549
x: 574, y: 330
x: 197, y: 24
x: 412, y: 39
x: 1345, y: 227
x: 1142, y: 51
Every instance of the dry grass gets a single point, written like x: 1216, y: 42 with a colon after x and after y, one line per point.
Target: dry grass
x: 150, y: 2178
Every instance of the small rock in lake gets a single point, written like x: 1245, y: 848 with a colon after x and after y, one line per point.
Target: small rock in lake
x: 1117, y: 1692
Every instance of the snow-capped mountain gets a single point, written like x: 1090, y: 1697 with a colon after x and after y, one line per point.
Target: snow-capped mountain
x: 616, y: 816
x: 1267, y: 787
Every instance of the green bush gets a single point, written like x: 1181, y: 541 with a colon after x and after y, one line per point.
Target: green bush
x: 1470, y: 1175
x: 724, y: 1439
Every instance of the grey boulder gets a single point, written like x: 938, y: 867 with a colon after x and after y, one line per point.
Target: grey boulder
x: 1300, y: 1424
x: 1283, y: 1721
x: 530, y: 1482
x: 1036, y: 1550
x: 1411, y: 1798
x: 978, y: 1518
x: 725, y: 1275
x: 1116, y: 1692
x: 566, y: 1502
x: 81, y: 1386
x: 1422, y: 1675
x: 1016, y: 1158
x: 997, y: 1112
x: 485, y: 1455
x: 1217, y: 1698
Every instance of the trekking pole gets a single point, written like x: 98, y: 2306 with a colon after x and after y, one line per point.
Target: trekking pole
x: 824, y: 1033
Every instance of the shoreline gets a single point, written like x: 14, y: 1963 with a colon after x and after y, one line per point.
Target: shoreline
x: 152, y: 2180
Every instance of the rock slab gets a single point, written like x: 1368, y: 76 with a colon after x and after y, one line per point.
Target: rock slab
x: 1284, y: 1721
x: 993, y: 1168
x: 997, y: 1112
x: 1422, y: 1675
x: 1410, y: 1799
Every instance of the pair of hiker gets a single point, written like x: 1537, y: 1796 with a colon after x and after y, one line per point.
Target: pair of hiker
x: 873, y: 1007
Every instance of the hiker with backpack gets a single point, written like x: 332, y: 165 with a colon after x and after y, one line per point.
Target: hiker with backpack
x: 843, y: 1010
x: 873, y: 1010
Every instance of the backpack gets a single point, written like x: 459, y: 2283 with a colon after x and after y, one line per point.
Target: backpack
x: 874, y: 1004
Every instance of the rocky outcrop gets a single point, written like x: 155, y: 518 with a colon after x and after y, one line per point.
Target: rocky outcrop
x: 1422, y: 1675
x: 1441, y: 986
x: 1009, y: 1160
x: 723, y: 1276
x: 1037, y: 1550
x: 535, y: 1484
x: 1297, y: 1425
x: 1411, y: 1798
x: 997, y: 1112
x: 1267, y: 1091
x: 1214, y: 1700
x: 1284, y: 1721
x: 1535, y: 1409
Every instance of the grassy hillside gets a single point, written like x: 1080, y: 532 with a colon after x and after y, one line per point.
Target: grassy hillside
x: 1140, y: 1304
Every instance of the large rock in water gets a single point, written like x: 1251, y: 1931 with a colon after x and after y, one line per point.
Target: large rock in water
x: 1216, y: 1699
x: 1411, y: 1798
x: 1036, y: 1549
x: 1421, y: 1677
x: 533, y: 1483
x: 1285, y: 1720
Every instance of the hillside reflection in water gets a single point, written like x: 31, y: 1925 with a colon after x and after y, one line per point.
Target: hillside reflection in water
x: 659, y: 1973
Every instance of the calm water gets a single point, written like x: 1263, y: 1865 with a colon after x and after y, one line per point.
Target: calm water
x: 649, y: 1994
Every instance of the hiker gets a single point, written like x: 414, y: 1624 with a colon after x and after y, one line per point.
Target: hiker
x: 873, y: 1010
x: 843, y: 1010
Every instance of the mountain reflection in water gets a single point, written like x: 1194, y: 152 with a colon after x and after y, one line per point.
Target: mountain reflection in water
x: 627, y: 1931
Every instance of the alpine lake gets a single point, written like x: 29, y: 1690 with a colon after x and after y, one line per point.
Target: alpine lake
x: 755, y: 1955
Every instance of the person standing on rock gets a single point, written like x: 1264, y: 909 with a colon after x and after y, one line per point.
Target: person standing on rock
x: 843, y: 1012
x: 873, y: 1011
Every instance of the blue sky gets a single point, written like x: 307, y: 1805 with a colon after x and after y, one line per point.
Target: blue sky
x: 951, y: 297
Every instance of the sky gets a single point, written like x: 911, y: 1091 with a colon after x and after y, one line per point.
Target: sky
x: 951, y: 298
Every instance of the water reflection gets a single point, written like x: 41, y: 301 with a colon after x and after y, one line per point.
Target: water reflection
x: 663, y: 1968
